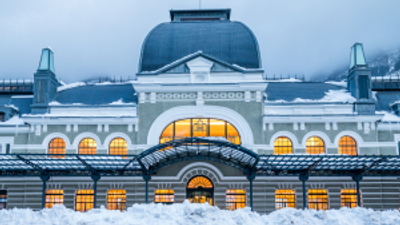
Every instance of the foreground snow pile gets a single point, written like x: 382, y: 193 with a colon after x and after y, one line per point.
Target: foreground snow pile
x: 187, y: 213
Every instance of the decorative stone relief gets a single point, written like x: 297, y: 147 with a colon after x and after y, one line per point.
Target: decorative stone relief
x: 317, y: 185
x: 164, y: 186
x: 271, y: 126
x: 285, y: 185
x: 236, y: 186
x: 295, y: 126
x: 75, y: 127
x: 85, y: 186
x: 198, y: 172
x: 117, y: 186
x: 366, y: 127
x: 327, y: 126
x: 334, y: 126
x: 351, y: 185
x: 54, y: 186
x: 68, y: 128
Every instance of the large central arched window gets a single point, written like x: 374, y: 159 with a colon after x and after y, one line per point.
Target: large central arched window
x: 200, y: 127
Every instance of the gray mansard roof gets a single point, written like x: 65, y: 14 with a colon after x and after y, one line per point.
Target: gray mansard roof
x: 232, y: 42
x: 97, y: 95
x: 21, y: 103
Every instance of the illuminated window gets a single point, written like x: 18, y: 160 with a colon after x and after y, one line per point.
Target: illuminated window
x: 348, y: 198
x: 54, y: 197
x: 3, y: 199
x: 200, y: 128
x: 285, y: 199
x: 88, y: 146
x: 57, y: 146
x: 200, y: 181
x: 347, y: 145
x: 318, y: 199
x: 84, y: 200
x: 315, y: 145
x: 116, y: 200
x: 283, y: 145
x: 164, y: 196
x: 235, y: 199
x: 118, y: 146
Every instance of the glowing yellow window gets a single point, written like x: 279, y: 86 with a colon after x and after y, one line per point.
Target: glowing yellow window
x: 57, y: 146
x: 182, y: 129
x: 217, y: 128
x: 318, y: 199
x: 235, y: 199
x: 348, y: 198
x: 164, y: 196
x: 347, y: 145
x: 3, y: 199
x: 232, y: 134
x: 116, y: 200
x: 84, y: 200
x: 200, y: 182
x: 285, y: 199
x: 315, y: 145
x: 54, y: 197
x: 168, y: 134
x: 88, y: 146
x: 118, y: 146
x: 283, y: 145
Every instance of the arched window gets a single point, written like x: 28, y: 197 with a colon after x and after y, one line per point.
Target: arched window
x: 315, y: 145
x: 88, y: 146
x: 116, y: 200
x: 318, y: 199
x: 200, y: 181
x: 164, y: 196
x: 285, y: 199
x: 54, y: 197
x: 283, y: 145
x: 118, y: 146
x: 57, y: 146
x: 235, y: 199
x: 349, y: 198
x: 201, y: 127
x: 84, y: 200
x: 347, y: 145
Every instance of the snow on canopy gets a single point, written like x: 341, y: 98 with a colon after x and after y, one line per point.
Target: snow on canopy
x: 187, y: 213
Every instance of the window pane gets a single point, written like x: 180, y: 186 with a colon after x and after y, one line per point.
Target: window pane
x: 84, y: 200
x: 283, y: 145
x: 88, y: 146
x: 200, y: 127
x: 164, y: 196
x: 168, y: 134
x: 285, y: 199
x: 315, y: 145
x: 54, y: 197
x: 116, y: 200
x: 182, y: 129
x: 57, y: 146
x: 118, y: 146
x: 348, y: 198
x: 217, y: 128
x: 235, y: 199
x: 200, y: 181
x: 318, y: 199
x: 232, y: 134
x: 347, y: 145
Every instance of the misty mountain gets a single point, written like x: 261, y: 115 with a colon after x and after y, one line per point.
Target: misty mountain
x: 384, y: 64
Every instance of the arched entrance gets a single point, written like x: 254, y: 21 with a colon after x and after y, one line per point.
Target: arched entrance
x: 200, y: 189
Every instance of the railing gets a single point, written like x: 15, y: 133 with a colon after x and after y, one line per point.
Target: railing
x: 284, y: 77
x: 16, y: 86
x: 389, y: 82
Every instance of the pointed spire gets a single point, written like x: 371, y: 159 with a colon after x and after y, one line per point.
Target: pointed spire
x: 357, y: 56
x: 47, y: 60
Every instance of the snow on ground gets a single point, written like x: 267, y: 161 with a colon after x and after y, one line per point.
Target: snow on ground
x: 188, y: 214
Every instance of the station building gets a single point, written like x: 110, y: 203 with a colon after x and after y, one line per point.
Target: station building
x: 200, y: 122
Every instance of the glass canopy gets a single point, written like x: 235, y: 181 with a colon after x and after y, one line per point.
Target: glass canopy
x: 357, y: 56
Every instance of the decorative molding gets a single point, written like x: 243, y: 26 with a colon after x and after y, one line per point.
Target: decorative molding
x: 318, y: 186
x: 51, y: 136
x: 287, y: 134
x: 85, y: 186
x: 112, y: 136
x: 285, y: 186
x: 117, y: 186
x: 53, y: 186
x: 350, y: 185
x: 200, y: 172
x: 334, y: 126
x: 81, y: 136
x: 199, y: 166
x: 236, y: 186
x: 327, y: 126
x: 319, y: 134
x: 164, y: 185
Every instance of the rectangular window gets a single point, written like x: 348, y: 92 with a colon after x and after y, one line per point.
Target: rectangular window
x: 84, y: 200
x: 3, y: 199
x: 363, y: 87
x: 349, y: 198
x: 318, y: 199
x: 116, y: 200
x: 164, y: 196
x: 285, y: 199
x: 54, y: 197
x: 235, y: 199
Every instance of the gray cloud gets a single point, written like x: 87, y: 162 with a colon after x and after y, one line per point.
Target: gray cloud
x: 103, y: 38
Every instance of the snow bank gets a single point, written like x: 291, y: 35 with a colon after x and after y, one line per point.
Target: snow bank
x: 69, y: 86
x: 342, y: 96
x: 186, y: 213
x: 388, y: 116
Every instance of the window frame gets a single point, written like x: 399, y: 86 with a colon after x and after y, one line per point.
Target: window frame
x: 86, y: 138
x: 317, y: 203
x: 53, y: 194
x: 114, y: 139
x: 163, y: 196
x: 65, y: 148
x: 355, y: 143
x: 350, y: 194
x: 122, y: 203
x: 234, y: 204
x: 291, y: 142
x: 84, y: 203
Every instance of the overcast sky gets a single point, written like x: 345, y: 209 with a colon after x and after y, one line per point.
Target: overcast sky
x: 93, y: 38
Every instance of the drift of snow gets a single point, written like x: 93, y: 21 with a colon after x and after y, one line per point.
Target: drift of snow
x: 121, y: 102
x: 187, y: 213
x: 69, y: 86
x: 342, y: 96
x: 388, y: 117
x: 15, y: 120
x: 285, y: 80
x: 340, y: 83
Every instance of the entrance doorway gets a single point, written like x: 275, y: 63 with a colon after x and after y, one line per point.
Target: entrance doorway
x: 200, y: 190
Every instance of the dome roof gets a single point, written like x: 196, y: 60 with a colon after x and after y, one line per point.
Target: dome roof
x: 231, y: 42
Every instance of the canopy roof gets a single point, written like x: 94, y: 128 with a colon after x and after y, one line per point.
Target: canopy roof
x: 216, y: 150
